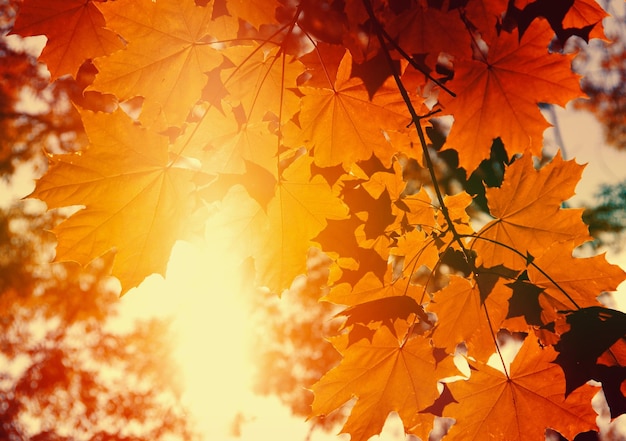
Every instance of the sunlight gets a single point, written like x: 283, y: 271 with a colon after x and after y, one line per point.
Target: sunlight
x: 202, y: 294
x: 211, y: 328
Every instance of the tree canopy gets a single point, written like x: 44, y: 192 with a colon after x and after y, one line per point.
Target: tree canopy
x: 327, y: 124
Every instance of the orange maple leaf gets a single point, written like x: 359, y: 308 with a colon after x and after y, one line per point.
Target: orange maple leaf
x: 528, y: 212
x: 331, y: 120
x: 135, y: 200
x: 582, y: 279
x: 585, y: 13
x: 519, y: 407
x: 485, y: 16
x: 262, y: 81
x: 370, y: 288
x: 428, y: 30
x: 416, y: 249
x: 255, y: 12
x: 493, y: 98
x: 463, y: 316
x: 223, y: 145
x: 166, y: 59
x: 278, y: 236
x: 419, y: 210
x: 75, y: 30
x: 385, y: 376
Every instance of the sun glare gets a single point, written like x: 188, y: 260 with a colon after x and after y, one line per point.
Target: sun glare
x: 202, y: 293
x: 205, y: 294
x: 212, y: 333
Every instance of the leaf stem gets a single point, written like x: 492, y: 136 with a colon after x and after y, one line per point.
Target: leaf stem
x: 414, y: 64
x: 533, y: 264
x: 418, y: 127
x: 495, y: 342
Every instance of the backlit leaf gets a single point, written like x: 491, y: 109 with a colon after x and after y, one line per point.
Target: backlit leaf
x: 75, y: 30
x: 166, y: 59
x: 521, y: 407
x: 135, y: 201
x: 492, y: 96
x: 528, y: 212
x: 384, y: 376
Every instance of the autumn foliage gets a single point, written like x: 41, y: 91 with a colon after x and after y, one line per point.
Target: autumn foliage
x: 295, y: 124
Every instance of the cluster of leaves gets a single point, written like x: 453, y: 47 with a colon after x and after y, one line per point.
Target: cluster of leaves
x: 294, y: 123
x: 67, y: 373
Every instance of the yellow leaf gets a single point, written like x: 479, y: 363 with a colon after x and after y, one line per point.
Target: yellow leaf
x: 262, y: 82
x: 333, y: 124
x: 134, y: 201
x: 279, y: 236
x: 166, y: 59
x: 224, y: 146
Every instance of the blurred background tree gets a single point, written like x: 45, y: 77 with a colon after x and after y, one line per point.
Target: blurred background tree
x: 68, y: 371
x: 603, y: 64
x: 70, y: 368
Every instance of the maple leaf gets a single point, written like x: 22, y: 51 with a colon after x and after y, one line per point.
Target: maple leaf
x: 262, y: 81
x: 492, y: 96
x: 485, y: 16
x: 570, y: 282
x: 427, y: 30
x: 525, y: 302
x: 322, y: 64
x: 223, y: 145
x: 123, y: 179
x: 528, y: 212
x: 278, y: 236
x: 592, y: 331
x: 330, y: 121
x: 75, y: 30
x: 416, y: 249
x: 457, y: 210
x: 255, y: 12
x: 521, y: 406
x: 567, y: 18
x: 165, y: 60
x: 385, y: 376
x: 385, y: 310
x: 370, y: 288
x: 585, y: 13
x: 419, y: 210
x: 463, y: 316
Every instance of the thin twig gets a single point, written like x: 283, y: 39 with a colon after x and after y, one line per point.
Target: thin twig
x: 414, y: 64
x: 418, y: 127
x: 533, y: 264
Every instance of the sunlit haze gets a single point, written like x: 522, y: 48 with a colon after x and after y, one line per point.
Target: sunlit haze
x: 203, y: 294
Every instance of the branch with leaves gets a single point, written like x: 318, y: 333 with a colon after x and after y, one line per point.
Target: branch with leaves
x: 296, y: 123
